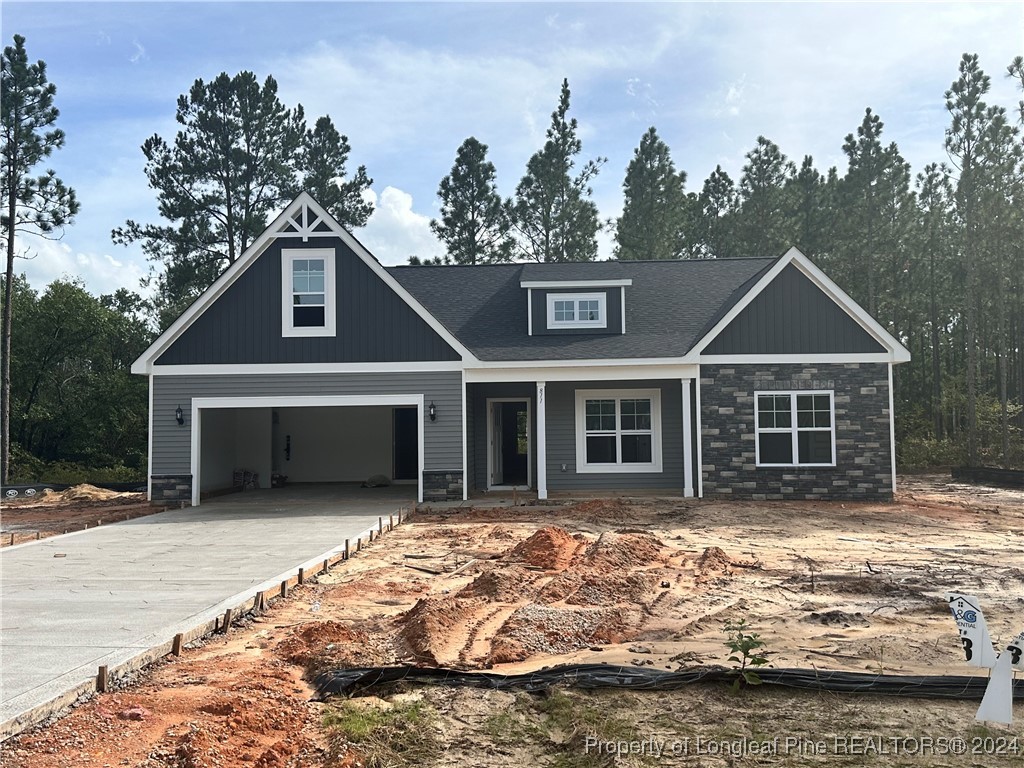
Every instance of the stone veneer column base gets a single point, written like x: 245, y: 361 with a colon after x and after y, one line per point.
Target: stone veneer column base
x: 442, y: 485
x: 171, y: 489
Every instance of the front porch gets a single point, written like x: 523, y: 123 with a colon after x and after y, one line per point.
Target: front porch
x: 567, y: 438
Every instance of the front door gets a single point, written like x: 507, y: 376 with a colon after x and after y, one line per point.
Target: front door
x: 509, y: 444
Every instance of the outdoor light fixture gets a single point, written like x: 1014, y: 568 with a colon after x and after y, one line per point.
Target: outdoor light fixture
x: 179, y: 416
x: 432, y: 410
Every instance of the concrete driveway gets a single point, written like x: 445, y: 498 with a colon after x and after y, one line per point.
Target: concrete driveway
x: 71, y: 603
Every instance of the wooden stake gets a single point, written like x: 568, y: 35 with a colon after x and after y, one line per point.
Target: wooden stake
x: 348, y: 551
x: 101, y: 679
x: 391, y: 522
x: 258, y: 603
x: 38, y: 535
x: 359, y: 544
x: 327, y: 565
x: 284, y: 588
x: 302, y: 575
x: 176, y: 644
x: 227, y: 621
x: 380, y: 525
x: 371, y: 535
x: 12, y: 538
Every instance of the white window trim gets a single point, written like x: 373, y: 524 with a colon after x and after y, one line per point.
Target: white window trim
x: 288, y: 255
x: 794, y: 429
x: 600, y: 298
x: 582, y: 395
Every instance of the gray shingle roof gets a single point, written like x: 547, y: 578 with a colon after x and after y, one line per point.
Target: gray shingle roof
x: 669, y: 306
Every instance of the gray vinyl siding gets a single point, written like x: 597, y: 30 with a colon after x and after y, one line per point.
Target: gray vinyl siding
x: 613, y: 303
x: 442, y: 438
x: 477, y: 405
x: 561, y: 439
x: 243, y: 325
x: 792, y: 315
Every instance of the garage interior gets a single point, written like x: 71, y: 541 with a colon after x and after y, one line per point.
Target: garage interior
x: 307, y: 445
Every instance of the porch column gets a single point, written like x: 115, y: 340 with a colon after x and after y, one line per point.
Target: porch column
x: 687, y: 441
x: 542, y: 443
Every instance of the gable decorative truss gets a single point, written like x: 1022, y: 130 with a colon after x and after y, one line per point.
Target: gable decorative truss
x: 303, y: 218
x: 895, y: 351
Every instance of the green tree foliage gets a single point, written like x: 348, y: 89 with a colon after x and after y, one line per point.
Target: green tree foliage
x: 554, y: 216
x: 763, y: 224
x: 654, y: 213
x: 322, y: 160
x: 40, y: 205
x: 233, y: 163
x: 75, y: 397
x: 717, y: 205
x: 475, y: 224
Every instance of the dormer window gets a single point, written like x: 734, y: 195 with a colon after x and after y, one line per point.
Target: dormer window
x: 307, y: 292
x: 577, y: 310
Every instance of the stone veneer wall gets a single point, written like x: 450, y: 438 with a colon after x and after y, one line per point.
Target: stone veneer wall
x: 863, y: 459
x: 442, y: 486
x: 171, y: 489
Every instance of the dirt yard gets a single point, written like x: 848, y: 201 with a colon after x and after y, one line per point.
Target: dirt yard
x: 74, y: 509
x: 651, y: 582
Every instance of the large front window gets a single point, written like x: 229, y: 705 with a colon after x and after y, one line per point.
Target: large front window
x: 618, y: 431
x: 307, y: 281
x: 794, y: 429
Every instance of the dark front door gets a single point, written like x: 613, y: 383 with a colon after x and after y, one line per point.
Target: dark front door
x: 407, y: 458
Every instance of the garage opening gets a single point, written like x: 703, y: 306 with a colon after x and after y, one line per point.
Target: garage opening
x: 273, y: 445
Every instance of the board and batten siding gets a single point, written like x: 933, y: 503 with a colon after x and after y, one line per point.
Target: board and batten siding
x: 792, y: 316
x: 374, y: 324
x: 442, y: 438
x: 561, y: 439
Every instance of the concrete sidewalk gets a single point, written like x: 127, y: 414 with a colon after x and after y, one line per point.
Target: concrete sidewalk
x: 71, y: 603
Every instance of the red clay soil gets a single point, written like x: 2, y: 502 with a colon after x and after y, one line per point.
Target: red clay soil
x: 73, y: 509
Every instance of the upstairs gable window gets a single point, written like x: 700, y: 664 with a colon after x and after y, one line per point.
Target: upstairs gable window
x: 307, y: 281
x: 577, y: 310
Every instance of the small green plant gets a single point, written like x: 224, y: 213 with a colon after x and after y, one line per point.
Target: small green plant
x: 404, y: 734
x: 746, y: 648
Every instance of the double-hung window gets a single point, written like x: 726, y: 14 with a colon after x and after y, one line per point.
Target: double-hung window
x: 577, y: 310
x: 618, y: 430
x: 307, y: 298
x: 795, y: 429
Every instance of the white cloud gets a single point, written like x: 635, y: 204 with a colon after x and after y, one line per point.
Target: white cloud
x: 57, y: 260
x: 395, y: 231
x: 140, y: 52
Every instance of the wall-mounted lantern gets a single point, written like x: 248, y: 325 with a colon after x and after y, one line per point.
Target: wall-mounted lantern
x: 179, y: 416
x: 432, y: 411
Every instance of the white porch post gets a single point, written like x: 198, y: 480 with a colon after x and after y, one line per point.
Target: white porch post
x: 542, y: 442
x: 687, y: 441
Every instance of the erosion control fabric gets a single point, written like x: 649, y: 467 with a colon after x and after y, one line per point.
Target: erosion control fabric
x: 353, y: 681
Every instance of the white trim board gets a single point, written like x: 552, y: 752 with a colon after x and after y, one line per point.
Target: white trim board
x: 655, y: 466
x: 490, y: 401
x: 556, y: 284
x: 800, y: 359
x: 897, y: 352
x: 300, y: 368
x: 570, y: 372
x: 296, y: 401
x: 146, y: 360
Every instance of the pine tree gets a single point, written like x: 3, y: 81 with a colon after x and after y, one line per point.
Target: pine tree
x: 765, y: 210
x: 475, y: 222
x: 654, y: 213
x: 554, y: 216
x: 716, y: 211
x: 323, y: 157
x: 38, y: 205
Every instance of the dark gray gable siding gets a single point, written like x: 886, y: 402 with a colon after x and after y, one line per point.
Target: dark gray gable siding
x: 792, y: 316
x: 613, y: 302
x: 374, y: 324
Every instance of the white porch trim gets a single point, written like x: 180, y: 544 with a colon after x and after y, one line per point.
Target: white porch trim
x: 542, y: 444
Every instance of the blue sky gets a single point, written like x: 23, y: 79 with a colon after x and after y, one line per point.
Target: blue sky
x: 408, y: 82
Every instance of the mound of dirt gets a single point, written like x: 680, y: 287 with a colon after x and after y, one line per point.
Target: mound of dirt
x: 431, y: 629
x: 612, y: 589
x: 323, y: 645
x: 617, y: 552
x: 502, y: 585
x: 543, y: 629
x: 713, y: 559
x: 85, y: 492
x: 550, y: 548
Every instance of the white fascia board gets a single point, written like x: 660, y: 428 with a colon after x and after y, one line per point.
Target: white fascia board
x: 305, y: 401
x: 897, y: 352
x: 804, y: 359
x: 221, y: 284
x: 581, y: 373
x: 304, y: 368
x: 581, y: 362
x: 556, y: 284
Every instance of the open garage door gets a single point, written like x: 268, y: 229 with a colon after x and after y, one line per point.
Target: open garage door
x: 331, y: 439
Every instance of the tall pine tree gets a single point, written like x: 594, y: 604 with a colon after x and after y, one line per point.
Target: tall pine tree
x: 475, y: 222
x: 323, y: 157
x: 655, y: 207
x: 37, y: 205
x: 763, y: 224
x: 554, y: 216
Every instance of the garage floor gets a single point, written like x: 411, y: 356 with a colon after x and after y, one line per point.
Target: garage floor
x: 102, y: 596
